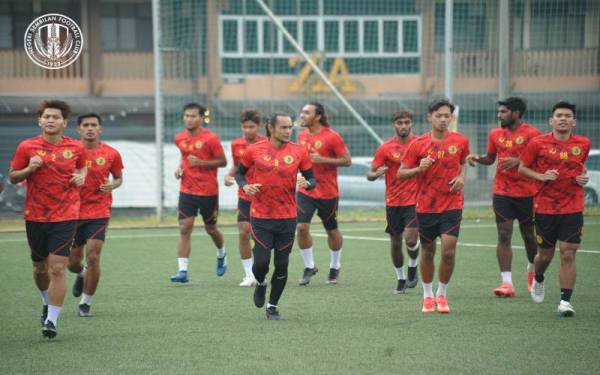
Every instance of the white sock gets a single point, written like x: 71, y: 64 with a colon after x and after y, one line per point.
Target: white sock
x: 269, y: 305
x: 506, y: 277
x: 86, y: 298
x: 530, y: 267
x: 335, y: 259
x: 413, y: 262
x: 427, y: 290
x: 53, y: 312
x: 400, y: 273
x: 442, y: 289
x: 183, y: 264
x: 44, y: 295
x: 221, y: 252
x: 83, y: 271
x: 247, y: 264
x: 307, y: 255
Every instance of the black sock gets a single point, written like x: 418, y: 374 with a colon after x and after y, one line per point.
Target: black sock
x: 539, y: 277
x: 280, y: 276
x: 565, y: 294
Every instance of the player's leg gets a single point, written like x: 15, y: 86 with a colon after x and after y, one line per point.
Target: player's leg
x: 449, y: 228
x: 37, y: 240
x: 95, y: 241
x: 505, y: 214
x: 547, y: 235
x: 60, y: 238
x: 428, y: 232
x: 327, y: 211
x: 245, y: 236
x: 527, y: 229
x: 395, y: 228
x: 283, y: 242
x: 411, y: 238
x: 569, y: 239
x: 209, y: 209
x: 306, y: 210
x: 187, y: 212
x: 262, y: 232
x: 76, y: 258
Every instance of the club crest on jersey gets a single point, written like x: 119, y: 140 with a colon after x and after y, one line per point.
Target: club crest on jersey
x: 100, y: 160
x: 288, y: 159
x: 575, y: 151
x: 198, y: 144
x: 452, y: 149
x: 317, y: 144
x: 396, y: 155
x: 67, y: 154
x: 519, y: 140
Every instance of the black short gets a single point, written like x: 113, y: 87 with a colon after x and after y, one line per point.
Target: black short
x: 326, y: 210
x: 50, y: 238
x: 564, y: 227
x: 510, y: 208
x: 189, y: 205
x: 400, y: 217
x: 243, y: 210
x: 92, y: 229
x: 432, y: 225
x: 275, y: 234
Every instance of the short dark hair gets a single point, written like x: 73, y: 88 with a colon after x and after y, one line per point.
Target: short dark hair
x: 193, y: 105
x: 87, y: 115
x: 64, y: 108
x: 439, y: 103
x: 515, y: 104
x: 403, y: 113
x: 320, y: 110
x: 273, y: 120
x: 565, y: 104
x: 250, y: 114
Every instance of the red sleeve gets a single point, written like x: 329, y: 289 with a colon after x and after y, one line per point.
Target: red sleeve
x: 234, y: 156
x: 305, y: 163
x: 491, y: 146
x: 465, y: 151
x: 529, y: 154
x: 117, y: 165
x: 339, y: 147
x: 21, y: 159
x: 216, y: 147
x: 379, y: 158
x: 247, y: 159
x: 411, y: 156
x: 586, y: 152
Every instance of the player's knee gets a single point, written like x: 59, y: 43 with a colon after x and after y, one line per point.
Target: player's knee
x: 448, y: 254
x: 303, y: 229
x: 567, y: 256
x: 186, y: 229
x: 40, y: 268
x: 56, y: 270
x: 504, y: 237
x: 281, y: 263
x: 212, y: 230
x: 93, y: 260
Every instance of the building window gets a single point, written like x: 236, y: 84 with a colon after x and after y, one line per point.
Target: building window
x: 557, y: 24
x: 468, y: 29
x: 126, y: 27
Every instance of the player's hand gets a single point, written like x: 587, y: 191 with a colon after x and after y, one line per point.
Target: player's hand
x: 508, y: 162
x: 302, y: 182
x: 381, y: 171
x: 78, y: 179
x: 178, y: 173
x: 457, y: 183
x: 473, y: 159
x: 228, y: 180
x: 107, y: 186
x: 195, y: 161
x: 35, y: 162
x: 549, y: 175
x: 251, y: 189
x: 316, y: 158
x: 582, y: 179
x: 426, y: 163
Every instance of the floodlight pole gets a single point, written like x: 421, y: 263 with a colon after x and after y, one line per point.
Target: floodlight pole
x: 158, y: 113
x: 448, y: 48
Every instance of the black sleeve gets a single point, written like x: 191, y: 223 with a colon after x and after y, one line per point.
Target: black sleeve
x: 240, y: 175
x: 310, y: 177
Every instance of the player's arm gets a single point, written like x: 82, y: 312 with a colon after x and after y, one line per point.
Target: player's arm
x: 405, y: 172
x: 240, y: 178
x: 108, y: 185
x: 229, y: 178
x: 219, y: 162
x: 375, y: 172
x: 17, y: 175
x: 458, y: 182
x: 526, y: 171
x: 78, y: 177
x: 342, y: 161
x: 487, y: 159
x: 309, y: 182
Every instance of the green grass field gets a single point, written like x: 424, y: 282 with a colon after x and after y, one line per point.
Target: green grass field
x: 143, y: 324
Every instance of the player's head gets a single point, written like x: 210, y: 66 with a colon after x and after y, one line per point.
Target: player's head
x: 89, y: 126
x: 279, y: 127
x: 563, y: 117
x: 193, y: 115
x: 510, y: 111
x: 250, y: 123
x: 439, y: 114
x: 53, y: 116
x: 402, y: 122
x: 313, y: 113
